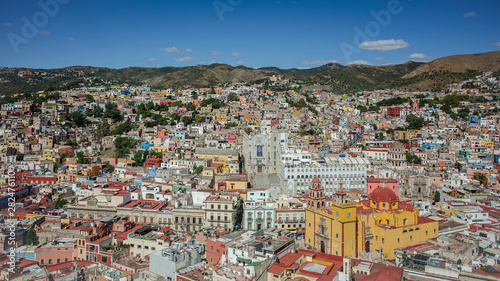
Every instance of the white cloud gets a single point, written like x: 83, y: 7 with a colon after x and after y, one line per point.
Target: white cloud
x: 43, y: 32
x: 189, y: 51
x: 384, y: 45
x: 7, y: 24
x: 359, y: 62
x: 379, y: 58
x: 236, y: 54
x: 239, y: 62
x: 184, y: 59
x: 497, y: 44
x: 152, y: 60
x: 419, y: 57
x: 70, y: 39
x: 318, y: 62
x: 217, y: 53
x: 470, y: 14
x: 172, y: 50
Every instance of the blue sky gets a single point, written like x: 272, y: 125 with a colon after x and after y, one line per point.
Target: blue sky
x: 283, y: 33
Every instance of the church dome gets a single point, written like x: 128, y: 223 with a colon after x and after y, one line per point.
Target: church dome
x: 397, y: 147
x: 383, y: 194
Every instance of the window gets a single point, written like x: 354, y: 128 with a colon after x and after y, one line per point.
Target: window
x: 139, y: 246
x: 153, y: 248
x: 411, y: 238
x: 131, y: 245
x: 50, y: 261
x: 383, y: 240
x: 146, y: 247
x: 398, y: 240
x: 104, y: 259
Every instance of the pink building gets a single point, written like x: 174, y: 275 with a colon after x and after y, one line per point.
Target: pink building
x: 373, y: 183
x: 53, y: 254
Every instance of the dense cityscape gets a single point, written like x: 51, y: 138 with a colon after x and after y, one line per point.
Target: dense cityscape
x: 232, y: 140
x: 236, y: 182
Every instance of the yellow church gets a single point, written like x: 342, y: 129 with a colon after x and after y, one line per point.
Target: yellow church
x: 380, y: 224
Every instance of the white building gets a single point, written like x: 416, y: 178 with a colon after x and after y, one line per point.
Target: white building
x: 350, y: 171
x: 258, y: 210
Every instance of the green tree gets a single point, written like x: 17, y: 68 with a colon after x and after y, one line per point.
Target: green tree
x: 123, y: 145
x: 187, y: 120
x: 214, y: 102
x: 197, y: 170
x: 122, y: 128
x: 194, y: 95
x: 19, y: 156
x: 248, y: 130
x: 78, y: 119
x: 112, y: 112
x: 31, y: 238
x: 464, y: 112
x: 191, y: 106
x: 60, y: 203
x: 414, y: 122
x: 233, y: 97
x: 437, y: 196
x: 97, y: 112
x: 140, y: 157
x: 81, y: 159
x: 414, y: 159
x: 89, y: 98
x: 72, y: 143
x: 481, y: 178
x: 102, y: 130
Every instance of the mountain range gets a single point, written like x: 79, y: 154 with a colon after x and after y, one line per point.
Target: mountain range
x: 412, y: 76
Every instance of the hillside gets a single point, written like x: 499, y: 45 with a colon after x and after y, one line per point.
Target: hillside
x: 460, y: 63
x: 407, y: 76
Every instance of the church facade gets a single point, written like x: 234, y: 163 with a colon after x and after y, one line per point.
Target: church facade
x: 377, y: 225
